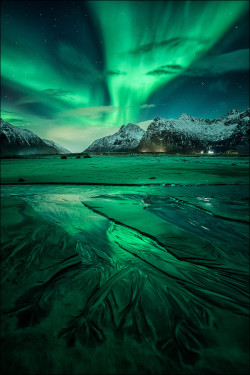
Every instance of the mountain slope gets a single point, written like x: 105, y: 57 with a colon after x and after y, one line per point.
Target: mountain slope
x: 126, y: 139
x: 60, y: 149
x: 191, y: 134
x: 16, y: 141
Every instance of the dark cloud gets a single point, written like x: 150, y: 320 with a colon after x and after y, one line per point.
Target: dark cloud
x: 55, y: 92
x: 115, y: 72
x: 165, y: 69
x: 38, y: 109
x: 212, y: 66
x: 172, y: 67
x: 170, y: 43
x: 216, y: 65
x: 158, y: 72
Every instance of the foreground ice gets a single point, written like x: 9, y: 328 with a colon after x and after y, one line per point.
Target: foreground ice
x: 152, y: 279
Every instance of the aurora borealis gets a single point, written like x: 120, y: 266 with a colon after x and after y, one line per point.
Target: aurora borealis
x: 76, y: 71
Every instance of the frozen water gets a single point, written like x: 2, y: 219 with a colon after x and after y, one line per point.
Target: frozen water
x: 149, y: 279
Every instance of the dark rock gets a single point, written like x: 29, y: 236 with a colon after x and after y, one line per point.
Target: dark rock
x: 64, y: 157
x: 21, y: 180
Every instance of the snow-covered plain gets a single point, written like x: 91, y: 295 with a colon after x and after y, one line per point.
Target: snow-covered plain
x: 150, y: 278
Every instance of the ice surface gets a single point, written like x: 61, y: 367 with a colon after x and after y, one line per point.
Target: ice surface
x: 126, y: 279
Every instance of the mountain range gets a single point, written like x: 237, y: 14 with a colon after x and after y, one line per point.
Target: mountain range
x: 16, y: 141
x: 186, y: 134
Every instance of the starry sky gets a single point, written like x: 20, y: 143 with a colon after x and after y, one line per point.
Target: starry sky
x: 74, y: 71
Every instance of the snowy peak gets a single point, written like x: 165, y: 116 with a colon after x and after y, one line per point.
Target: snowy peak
x: 191, y: 134
x: 185, y: 117
x: 233, y: 112
x: 13, y: 133
x: 16, y: 141
x: 129, y: 127
x: 125, y: 139
x: 158, y: 118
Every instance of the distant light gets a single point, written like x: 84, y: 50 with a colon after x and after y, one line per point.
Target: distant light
x: 202, y: 152
x: 210, y: 152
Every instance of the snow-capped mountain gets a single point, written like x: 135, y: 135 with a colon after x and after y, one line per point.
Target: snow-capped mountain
x: 60, y: 149
x: 16, y: 141
x: 126, y: 139
x: 191, y: 134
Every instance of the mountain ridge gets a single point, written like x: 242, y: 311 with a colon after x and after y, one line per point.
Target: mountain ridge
x: 17, y: 141
x: 194, y: 134
x: 186, y: 134
x: 125, y: 139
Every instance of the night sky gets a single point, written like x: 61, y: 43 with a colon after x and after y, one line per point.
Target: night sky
x: 74, y: 71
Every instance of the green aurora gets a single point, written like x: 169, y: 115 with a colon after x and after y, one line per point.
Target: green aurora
x: 90, y: 67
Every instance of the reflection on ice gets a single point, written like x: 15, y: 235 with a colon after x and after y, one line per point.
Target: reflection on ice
x: 146, y: 281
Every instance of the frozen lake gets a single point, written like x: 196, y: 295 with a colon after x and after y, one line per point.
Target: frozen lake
x: 143, y: 279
